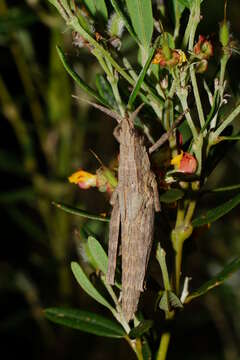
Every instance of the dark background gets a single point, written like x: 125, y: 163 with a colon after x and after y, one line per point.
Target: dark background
x: 45, y: 135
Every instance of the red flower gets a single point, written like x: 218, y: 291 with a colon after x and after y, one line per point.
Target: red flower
x: 185, y: 163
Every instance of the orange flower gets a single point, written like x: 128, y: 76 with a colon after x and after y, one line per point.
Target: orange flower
x: 83, y: 179
x: 203, y: 48
x: 185, y: 163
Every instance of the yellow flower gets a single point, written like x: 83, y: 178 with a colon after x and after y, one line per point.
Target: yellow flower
x: 177, y: 160
x: 83, y: 179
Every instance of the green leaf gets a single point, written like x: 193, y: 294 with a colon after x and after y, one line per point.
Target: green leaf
x: 120, y: 12
x: 80, y: 82
x: 216, y: 213
x: 98, y: 254
x: 187, y: 3
x: 178, y: 9
x: 172, y: 195
x: 105, y: 91
x: 216, y: 280
x: 85, y: 321
x: 87, y: 286
x: 140, y: 12
x: 225, y: 188
x: 230, y: 138
x: 97, y: 7
x: 141, y: 76
x: 141, y: 329
x: 79, y: 212
x: 174, y: 300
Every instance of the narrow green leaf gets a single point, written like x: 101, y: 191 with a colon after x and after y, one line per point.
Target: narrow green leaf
x: 178, y: 9
x: 98, y: 254
x: 87, y: 286
x: 102, y: 8
x: 97, y: 7
x: 79, y: 212
x: 172, y: 195
x: 141, y: 77
x: 217, y: 280
x: 105, y: 91
x: 85, y: 321
x: 216, y: 213
x: 81, y: 83
x: 225, y: 188
x: 140, y: 12
x: 230, y: 138
x: 141, y: 329
x: 120, y: 12
x: 187, y: 3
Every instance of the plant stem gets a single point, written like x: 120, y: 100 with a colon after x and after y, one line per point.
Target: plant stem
x: 182, y: 94
x: 161, y: 257
x: 163, y: 347
x: 180, y: 214
x: 195, y: 22
x: 178, y: 265
x: 192, y: 25
x: 224, y: 61
x: 190, y: 212
x: 197, y: 96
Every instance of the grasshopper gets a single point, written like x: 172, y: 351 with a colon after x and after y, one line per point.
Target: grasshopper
x: 134, y: 201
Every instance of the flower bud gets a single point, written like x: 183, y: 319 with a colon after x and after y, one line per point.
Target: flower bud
x: 224, y: 35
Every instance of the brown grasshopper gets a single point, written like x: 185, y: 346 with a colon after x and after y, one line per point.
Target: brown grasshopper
x: 134, y: 201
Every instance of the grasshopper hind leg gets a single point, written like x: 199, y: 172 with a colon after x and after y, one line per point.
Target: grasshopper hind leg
x: 113, y: 238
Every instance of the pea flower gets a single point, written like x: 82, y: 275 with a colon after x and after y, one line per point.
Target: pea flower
x: 83, y: 179
x: 104, y: 179
x: 203, y: 50
x: 185, y: 163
